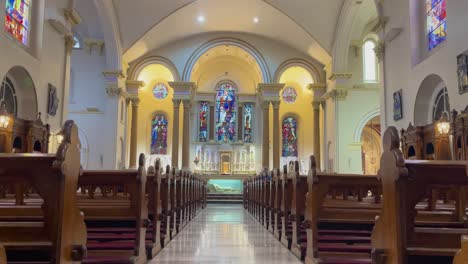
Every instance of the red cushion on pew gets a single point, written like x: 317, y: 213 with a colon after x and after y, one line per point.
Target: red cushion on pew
x: 106, y: 260
x: 110, y: 229
x: 125, y: 236
x: 341, y: 232
x: 345, y: 261
x: 341, y: 238
x: 112, y: 245
x: 341, y: 247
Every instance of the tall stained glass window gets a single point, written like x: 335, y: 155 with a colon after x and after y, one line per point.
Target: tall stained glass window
x: 248, y: 115
x: 226, y: 113
x: 204, y: 110
x: 436, y: 15
x: 17, y: 19
x: 289, y: 137
x: 159, y: 128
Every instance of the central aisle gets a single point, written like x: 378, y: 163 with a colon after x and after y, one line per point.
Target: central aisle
x: 225, y: 234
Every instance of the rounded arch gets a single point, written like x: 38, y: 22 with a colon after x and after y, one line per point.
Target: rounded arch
x: 187, y: 74
x: 25, y: 90
x: 317, y: 74
x: 362, y: 123
x: 136, y: 67
x: 222, y: 80
x: 424, y: 99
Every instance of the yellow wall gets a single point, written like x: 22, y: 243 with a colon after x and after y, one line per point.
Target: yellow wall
x: 149, y: 106
x: 299, y: 78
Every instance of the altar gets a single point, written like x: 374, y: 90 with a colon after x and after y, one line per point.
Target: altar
x: 225, y: 159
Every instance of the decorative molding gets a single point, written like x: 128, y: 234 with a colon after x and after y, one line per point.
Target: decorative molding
x: 60, y: 27
x: 72, y: 16
x: 113, y: 76
x: 114, y: 91
x: 276, y: 104
x: 340, y: 75
x: 183, y: 90
x: 317, y: 102
x: 392, y: 34
x: 270, y: 91
x: 379, y: 24
x: 336, y: 94
x: 380, y: 51
x: 90, y: 44
x: 318, y: 89
x: 134, y: 85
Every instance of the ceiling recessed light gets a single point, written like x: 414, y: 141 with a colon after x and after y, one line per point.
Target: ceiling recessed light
x: 201, y: 19
x: 256, y: 20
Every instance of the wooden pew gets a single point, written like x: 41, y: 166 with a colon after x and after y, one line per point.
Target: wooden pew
x: 287, y: 190
x: 349, y: 241
x: 462, y: 255
x: 277, y: 213
x: 299, y: 189
x: 61, y: 231
x: 153, y: 190
x: 166, y: 207
x: 396, y: 238
x: 271, y: 203
x: 117, y: 223
x: 266, y: 186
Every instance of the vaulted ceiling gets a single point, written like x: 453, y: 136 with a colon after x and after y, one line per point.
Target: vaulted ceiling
x: 144, y: 25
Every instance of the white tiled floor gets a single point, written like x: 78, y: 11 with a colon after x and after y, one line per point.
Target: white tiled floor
x: 225, y: 234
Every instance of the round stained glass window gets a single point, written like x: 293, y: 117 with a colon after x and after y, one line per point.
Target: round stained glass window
x: 289, y: 95
x: 160, y: 91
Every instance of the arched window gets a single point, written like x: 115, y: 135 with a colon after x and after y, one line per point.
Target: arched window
x: 247, y: 129
x: 436, y: 26
x: 17, y: 19
x: 76, y: 42
x: 226, y: 113
x: 8, y: 96
x: 159, y: 131
x: 441, y: 105
x: 370, y: 62
x: 203, y: 121
x: 289, y: 137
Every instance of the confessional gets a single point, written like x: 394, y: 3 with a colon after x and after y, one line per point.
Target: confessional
x: 24, y: 136
x: 460, y: 134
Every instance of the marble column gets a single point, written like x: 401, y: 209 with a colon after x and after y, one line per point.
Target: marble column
x: 266, y: 135
x: 316, y: 108
x: 276, y: 138
x: 175, y: 135
x: 186, y: 136
x: 134, y: 133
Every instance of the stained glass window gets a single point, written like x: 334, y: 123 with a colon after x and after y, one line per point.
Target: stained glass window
x: 289, y: 95
x: 159, y: 127
x: 204, y: 111
x: 226, y: 113
x: 436, y: 15
x: 441, y: 105
x: 248, y: 115
x: 17, y: 19
x: 160, y: 91
x: 289, y: 137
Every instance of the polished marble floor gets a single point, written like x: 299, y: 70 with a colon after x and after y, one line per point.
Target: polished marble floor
x: 225, y: 234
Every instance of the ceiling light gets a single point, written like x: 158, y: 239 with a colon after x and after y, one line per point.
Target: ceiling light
x: 201, y: 19
x: 256, y: 20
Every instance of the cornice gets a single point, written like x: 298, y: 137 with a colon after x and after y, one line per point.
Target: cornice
x: 183, y: 90
x: 270, y: 91
x: 135, y: 84
x: 340, y: 75
x: 336, y: 94
x: 72, y: 16
x: 90, y: 44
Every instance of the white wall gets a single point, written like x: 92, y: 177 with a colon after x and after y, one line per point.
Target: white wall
x: 44, y: 58
x: 400, y: 73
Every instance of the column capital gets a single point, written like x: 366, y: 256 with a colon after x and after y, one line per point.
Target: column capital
x: 380, y: 51
x: 336, y: 94
x: 69, y: 43
x: 176, y: 102
x: 187, y: 103
x: 135, y: 101
x: 72, y: 16
x: 316, y: 103
x: 266, y: 105
x: 134, y: 84
x: 318, y: 89
x: 276, y: 104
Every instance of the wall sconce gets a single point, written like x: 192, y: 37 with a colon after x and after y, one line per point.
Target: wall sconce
x: 59, y: 138
x: 4, y: 117
x: 443, y: 125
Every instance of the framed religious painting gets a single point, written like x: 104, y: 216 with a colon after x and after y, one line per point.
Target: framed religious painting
x: 53, y: 100
x: 398, y: 105
x: 462, y: 71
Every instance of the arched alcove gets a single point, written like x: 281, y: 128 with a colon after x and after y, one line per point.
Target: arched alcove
x: 25, y: 92
x: 423, y: 109
x: 233, y: 45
